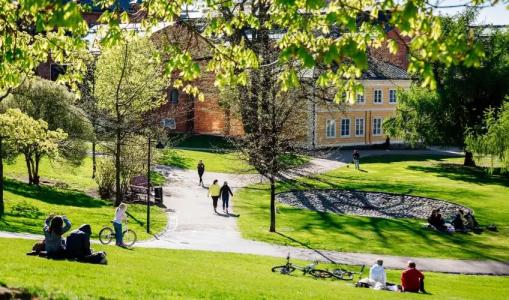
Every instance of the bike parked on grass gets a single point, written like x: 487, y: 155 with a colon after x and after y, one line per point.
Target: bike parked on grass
x: 107, y: 234
x: 289, y: 267
x: 343, y: 274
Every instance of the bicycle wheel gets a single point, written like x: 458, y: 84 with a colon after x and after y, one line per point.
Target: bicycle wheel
x: 285, y: 270
x: 129, y: 237
x: 106, y: 235
x: 343, y: 274
x: 320, y: 273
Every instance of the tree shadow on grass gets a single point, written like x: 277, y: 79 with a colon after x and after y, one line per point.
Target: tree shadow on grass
x: 174, y: 159
x: 477, y: 175
x: 52, y: 195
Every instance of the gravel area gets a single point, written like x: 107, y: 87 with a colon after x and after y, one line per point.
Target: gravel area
x: 370, y: 204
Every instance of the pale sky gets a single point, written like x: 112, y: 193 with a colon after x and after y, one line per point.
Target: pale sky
x: 496, y: 15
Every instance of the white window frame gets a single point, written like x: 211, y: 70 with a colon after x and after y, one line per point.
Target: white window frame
x: 360, y: 96
x: 363, y: 127
x: 341, y: 128
x: 374, y: 127
x: 395, y: 98
x: 327, y: 126
x: 169, y: 123
x: 381, y: 96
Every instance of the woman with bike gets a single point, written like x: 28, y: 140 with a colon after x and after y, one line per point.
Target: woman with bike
x: 120, y: 216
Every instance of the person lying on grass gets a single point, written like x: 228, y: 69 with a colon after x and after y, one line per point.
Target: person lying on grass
x: 54, y: 228
x: 78, y: 247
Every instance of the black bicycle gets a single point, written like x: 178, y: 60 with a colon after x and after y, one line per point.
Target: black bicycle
x: 310, y: 269
x: 343, y: 274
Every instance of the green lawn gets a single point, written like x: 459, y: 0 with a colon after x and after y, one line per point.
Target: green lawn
x: 178, y: 274
x: 433, y: 177
x: 76, y: 177
x: 217, y: 161
x: 26, y: 208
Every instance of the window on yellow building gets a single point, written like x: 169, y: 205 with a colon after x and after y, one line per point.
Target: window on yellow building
x: 345, y: 127
x: 377, y: 126
x: 330, y: 128
x: 359, y: 127
x: 377, y: 96
x: 392, y: 96
x: 360, y: 98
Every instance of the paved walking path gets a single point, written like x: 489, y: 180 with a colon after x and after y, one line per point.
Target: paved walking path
x: 194, y: 225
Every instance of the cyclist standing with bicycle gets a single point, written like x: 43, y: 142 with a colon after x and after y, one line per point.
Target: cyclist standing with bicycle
x: 120, y: 216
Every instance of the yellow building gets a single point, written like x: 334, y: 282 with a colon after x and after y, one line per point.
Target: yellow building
x: 359, y: 123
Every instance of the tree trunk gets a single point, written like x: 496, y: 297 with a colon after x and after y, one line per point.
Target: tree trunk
x: 272, y: 205
x: 35, y: 169
x: 94, y: 162
x: 469, y: 159
x: 29, y: 169
x: 118, y: 189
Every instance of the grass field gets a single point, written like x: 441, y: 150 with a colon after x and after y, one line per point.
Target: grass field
x: 76, y: 177
x: 26, y: 207
x: 422, y: 176
x: 177, y: 274
x: 221, y: 162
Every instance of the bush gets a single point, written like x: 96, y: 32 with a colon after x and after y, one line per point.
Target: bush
x: 105, y: 177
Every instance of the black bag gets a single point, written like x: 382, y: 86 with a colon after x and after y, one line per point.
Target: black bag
x: 96, y: 258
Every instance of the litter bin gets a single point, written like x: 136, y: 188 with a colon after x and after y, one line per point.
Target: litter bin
x: 158, y: 194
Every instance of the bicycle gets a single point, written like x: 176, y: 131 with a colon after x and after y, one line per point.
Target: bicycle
x: 107, y: 234
x: 343, y: 274
x: 289, y: 267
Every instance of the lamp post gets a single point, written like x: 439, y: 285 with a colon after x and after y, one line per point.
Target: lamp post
x: 158, y: 146
x: 148, y: 184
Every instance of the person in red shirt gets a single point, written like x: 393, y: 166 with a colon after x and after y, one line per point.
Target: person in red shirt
x: 412, y: 280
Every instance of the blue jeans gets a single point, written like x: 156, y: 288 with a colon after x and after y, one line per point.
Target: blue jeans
x: 118, y: 233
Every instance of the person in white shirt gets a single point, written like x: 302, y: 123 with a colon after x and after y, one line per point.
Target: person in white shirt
x: 377, y: 274
x: 120, y: 215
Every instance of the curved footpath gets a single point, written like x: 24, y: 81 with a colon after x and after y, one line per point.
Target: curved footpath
x: 193, y: 225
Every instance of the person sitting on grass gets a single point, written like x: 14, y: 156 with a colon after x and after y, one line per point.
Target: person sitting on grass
x: 471, y: 222
x: 120, y: 216
x: 54, y: 228
x: 459, y: 222
x: 377, y: 276
x: 78, y: 246
x: 436, y: 220
x: 412, y: 280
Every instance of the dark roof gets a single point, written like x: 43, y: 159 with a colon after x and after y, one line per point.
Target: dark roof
x: 379, y: 70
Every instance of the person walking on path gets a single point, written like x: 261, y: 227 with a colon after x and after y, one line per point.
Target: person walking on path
x: 120, y: 216
x: 201, y: 170
x: 356, y: 157
x: 412, y: 280
x: 225, y: 192
x: 214, y: 192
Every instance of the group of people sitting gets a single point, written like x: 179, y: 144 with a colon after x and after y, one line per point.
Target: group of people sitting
x: 462, y: 222
x: 412, y: 280
x: 76, y: 246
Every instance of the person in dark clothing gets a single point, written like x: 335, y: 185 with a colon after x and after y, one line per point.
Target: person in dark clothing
x: 459, y: 222
x: 225, y: 193
x: 436, y: 220
x: 356, y: 159
x: 471, y: 222
x: 54, y: 228
x: 201, y: 170
x: 78, y: 246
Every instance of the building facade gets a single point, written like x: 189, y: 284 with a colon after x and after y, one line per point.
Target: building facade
x: 359, y: 123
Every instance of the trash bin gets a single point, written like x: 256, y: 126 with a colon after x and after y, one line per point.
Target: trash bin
x: 158, y: 194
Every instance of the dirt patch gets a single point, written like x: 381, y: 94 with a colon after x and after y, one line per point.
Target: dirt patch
x: 370, y: 204
x: 10, y: 293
